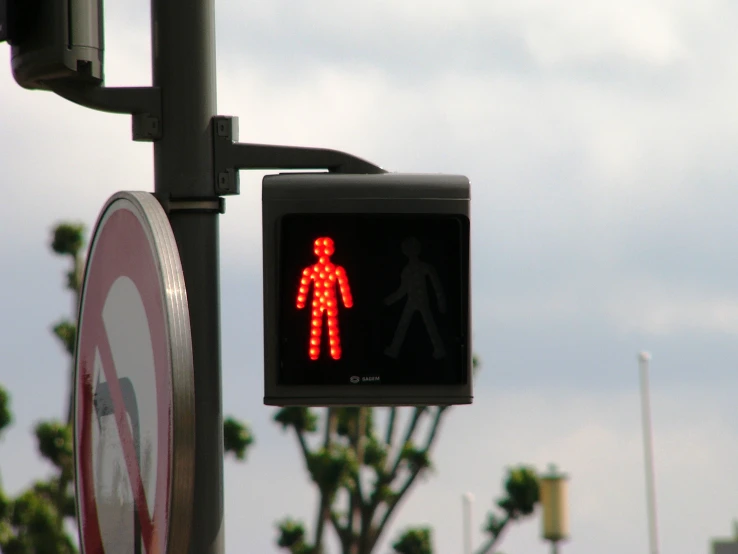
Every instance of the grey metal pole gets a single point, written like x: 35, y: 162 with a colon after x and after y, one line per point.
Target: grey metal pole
x: 643, y: 359
x: 554, y: 547
x: 183, y: 52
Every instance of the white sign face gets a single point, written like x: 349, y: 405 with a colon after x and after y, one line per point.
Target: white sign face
x: 127, y: 328
x: 129, y: 441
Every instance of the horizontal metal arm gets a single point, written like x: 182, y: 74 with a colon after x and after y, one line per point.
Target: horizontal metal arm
x: 230, y: 156
x: 143, y: 103
x: 268, y: 156
x: 123, y: 100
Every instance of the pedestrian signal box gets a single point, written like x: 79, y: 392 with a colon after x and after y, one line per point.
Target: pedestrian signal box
x: 366, y: 289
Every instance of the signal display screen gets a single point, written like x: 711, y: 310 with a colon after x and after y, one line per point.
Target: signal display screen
x: 373, y: 300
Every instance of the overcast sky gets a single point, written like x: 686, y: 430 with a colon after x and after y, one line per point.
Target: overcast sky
x: 600, y: 140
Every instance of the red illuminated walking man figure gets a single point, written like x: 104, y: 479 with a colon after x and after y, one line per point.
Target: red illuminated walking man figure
x: 325, y: 276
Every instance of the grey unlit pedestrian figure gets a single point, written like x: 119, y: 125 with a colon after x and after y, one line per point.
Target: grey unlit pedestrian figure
x: 414, y: 285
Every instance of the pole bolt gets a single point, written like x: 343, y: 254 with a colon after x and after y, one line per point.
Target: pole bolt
x: 146, y: 128
x: 228, y: 182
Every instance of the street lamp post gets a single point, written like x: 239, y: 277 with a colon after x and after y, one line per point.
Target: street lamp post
x: 643, y: 361
x: 554, y: 500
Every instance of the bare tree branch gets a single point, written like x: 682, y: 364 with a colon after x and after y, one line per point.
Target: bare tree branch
x: 417, y: 413
x: 391, y: 426
x: 434, y: 428
x: 324, y: 503
x: 356, y: 507
x: 359, y: 444
x: 494, y: 539
x: 303, y: 446
x: 343, y: 534
x: 330, y: 426
x: 413, y: 475
x: 322, y: 500
x: 324, y: 512
x: 355, y: 528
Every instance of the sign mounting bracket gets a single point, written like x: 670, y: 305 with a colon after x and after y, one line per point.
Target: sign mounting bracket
x: 230, y: 156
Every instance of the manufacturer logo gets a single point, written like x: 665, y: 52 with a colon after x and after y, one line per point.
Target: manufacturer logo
x: 355, y: 379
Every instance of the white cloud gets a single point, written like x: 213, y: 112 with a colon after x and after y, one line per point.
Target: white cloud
x: 637, y: 305
x: 586, y: 32
x: 656, y: 309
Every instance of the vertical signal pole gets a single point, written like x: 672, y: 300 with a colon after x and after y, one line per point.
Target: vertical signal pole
x: 643, y: 359
x: 183, y: 62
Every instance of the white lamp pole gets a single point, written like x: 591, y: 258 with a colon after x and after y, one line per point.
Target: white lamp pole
x: 467, y: 501
x: 643, y: 359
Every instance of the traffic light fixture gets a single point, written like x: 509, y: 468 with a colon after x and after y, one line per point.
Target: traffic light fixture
x: 53, y: 40
x: 366, y: 289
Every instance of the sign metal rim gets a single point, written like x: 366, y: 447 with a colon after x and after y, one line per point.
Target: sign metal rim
x: 181, y: 463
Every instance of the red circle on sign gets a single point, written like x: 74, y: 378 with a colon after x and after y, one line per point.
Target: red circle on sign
x: 122, y: 248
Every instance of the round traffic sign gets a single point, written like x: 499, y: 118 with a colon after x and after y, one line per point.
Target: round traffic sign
x: 134, y: 424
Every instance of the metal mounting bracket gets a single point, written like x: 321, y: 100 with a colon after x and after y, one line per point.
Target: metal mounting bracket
x: 230, y: 156
x: 143, y: 103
